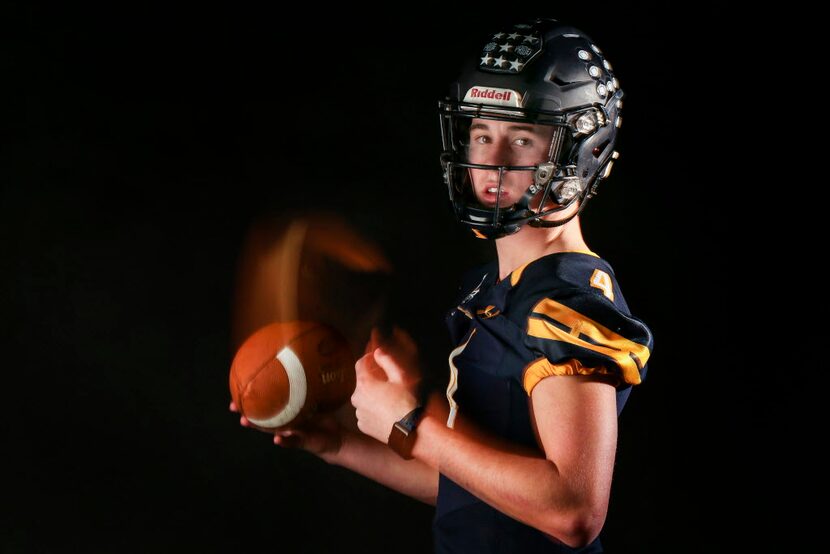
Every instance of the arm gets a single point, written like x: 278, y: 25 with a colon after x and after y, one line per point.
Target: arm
x: 373, y: 459
x: 562, y: 489
x: 335, y: 439
x: 563, y: 493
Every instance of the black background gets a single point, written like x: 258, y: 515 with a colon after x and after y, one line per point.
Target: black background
x: 139, y: 146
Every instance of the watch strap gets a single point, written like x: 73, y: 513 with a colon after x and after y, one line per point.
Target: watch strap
x: 402, y: 435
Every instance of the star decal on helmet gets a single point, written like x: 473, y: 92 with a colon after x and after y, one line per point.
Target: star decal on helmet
x: 515, y: 49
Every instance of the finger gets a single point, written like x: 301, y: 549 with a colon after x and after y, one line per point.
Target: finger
x: 289, y: 439
x: 374, y: 341
x: 401, y: 345
x: 367, y: 368
x: 392, y: 370
x: 233, y: 407
x: 243, y: 421
x: 360, y: 367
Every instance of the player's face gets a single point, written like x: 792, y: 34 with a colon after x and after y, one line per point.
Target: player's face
x: 505, y: 143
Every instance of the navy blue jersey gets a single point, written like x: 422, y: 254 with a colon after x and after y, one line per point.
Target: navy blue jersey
x: 562, y: 314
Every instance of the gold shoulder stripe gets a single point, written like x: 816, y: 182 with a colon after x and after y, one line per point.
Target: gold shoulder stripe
x: 590, y: 253
x: 541, y: 368
x: 517, y: 274
x: 629, y: 355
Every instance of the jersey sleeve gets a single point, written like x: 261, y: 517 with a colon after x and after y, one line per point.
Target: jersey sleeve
x: 579, y: 332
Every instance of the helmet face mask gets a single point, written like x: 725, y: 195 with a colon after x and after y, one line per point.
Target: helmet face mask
x: 531, y: 137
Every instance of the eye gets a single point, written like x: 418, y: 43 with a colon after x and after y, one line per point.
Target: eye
x: 481, y: 139
x: 523, y: 141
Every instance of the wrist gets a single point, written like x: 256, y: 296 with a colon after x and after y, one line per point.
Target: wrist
x: 402, y: 435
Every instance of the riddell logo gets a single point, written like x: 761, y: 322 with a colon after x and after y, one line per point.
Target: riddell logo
x: 491, y: 93
x: 493, y: 96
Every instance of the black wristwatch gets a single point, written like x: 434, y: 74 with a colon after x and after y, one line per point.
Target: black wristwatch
x: 402, y: 437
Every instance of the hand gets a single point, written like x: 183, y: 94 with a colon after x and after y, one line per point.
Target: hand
x: 322, y: 436
x: 387, y: 383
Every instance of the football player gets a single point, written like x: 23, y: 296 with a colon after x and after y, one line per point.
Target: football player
x: 519, y: 454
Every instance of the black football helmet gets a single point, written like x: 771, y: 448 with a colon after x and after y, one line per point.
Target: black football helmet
x: 537, y: 73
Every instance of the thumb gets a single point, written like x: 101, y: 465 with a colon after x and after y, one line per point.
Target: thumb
x: 374, y: 341
x: 390, y: 365
x: 366, y: 366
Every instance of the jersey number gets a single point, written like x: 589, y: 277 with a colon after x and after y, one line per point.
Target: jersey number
x: 602, y: 281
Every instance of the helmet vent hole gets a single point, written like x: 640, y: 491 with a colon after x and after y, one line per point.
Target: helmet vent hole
x: 598, y: 150
x: 557, y: 81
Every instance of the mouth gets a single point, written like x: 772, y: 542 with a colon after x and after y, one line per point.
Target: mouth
x: 489, y: 195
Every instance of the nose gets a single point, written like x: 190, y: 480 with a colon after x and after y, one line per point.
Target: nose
x: 498, y: 153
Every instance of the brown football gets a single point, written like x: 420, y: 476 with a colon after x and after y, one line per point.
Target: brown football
x: 286, y: 372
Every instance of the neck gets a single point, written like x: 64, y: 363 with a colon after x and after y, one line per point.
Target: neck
x: 531, y: 243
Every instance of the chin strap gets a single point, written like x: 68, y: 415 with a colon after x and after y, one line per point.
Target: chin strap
x: 538, y: 222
